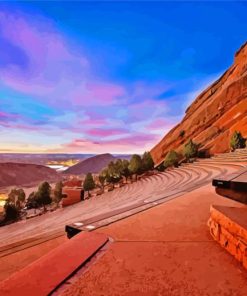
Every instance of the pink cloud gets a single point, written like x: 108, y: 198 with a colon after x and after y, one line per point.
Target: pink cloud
x: 8, y: 116
x: 96, y: 94
x: 136, y: 143
x: 105, y: 132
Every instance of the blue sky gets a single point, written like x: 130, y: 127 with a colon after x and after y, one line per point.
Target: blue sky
x: 94, y: 77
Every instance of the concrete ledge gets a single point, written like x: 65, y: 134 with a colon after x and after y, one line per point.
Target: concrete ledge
x: 228, y: 226
x: 47, y: 273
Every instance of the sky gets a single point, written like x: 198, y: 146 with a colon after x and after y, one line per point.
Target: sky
x: 96, y: 77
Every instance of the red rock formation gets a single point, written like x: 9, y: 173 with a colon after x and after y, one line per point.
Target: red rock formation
x: 214, y: 115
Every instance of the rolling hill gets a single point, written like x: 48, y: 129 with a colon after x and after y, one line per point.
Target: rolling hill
x: 92, y: 164
x: 20, y: 174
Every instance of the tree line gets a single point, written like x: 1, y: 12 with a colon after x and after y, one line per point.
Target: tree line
x: 16, y: 200
x: 190, y: 150
x: 121, y: 169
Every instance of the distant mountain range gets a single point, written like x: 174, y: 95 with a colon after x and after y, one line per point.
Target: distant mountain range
x: 40, y: 158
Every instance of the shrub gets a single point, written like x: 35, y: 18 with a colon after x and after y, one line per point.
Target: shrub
x: 181, y: 133
x: 11, y: 212
x: 161, y: 167
x: 171, y: 159
x: 190, y: 150
x: 237, y: 141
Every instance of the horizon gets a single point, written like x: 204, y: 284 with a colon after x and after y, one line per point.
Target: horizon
x: 81, y: 77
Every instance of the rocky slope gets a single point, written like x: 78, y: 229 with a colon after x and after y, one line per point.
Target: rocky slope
x: 20, y: 174
x: 214, y: 115
x: 92, y: 164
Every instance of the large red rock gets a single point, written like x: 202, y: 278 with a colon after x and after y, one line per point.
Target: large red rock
x: 214, y: 115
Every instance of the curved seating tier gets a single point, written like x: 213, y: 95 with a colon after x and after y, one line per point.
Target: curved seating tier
x: 148, y: 189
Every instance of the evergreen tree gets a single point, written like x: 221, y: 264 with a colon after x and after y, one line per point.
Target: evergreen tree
x: 17, y: 197
x: 135, y: 165
x: 125, y: 172
x: 147, y: 162
x: 102, y: 179
x: 58, y: 192
x: 88, y: 183
x: 171, y: 159
x: 12, y: 213
x: 190, y: 150
x: 32, y: 201
x: 43, y: 195
x: 114, y: 171
x: 237, y: 141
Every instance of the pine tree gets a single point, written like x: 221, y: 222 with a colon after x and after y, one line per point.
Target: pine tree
x: 102, y: 178
x: 88, y: 183
x: 58, y: 192
x: 147, y: 162
x: 135, y: 165
x: 126, y: 171
x: 43, y: 195
x: 17, y: 197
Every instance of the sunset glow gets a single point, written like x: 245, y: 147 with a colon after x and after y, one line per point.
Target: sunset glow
x: 84, y: 78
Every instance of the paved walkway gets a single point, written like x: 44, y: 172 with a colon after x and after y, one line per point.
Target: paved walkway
x: 166, y: 250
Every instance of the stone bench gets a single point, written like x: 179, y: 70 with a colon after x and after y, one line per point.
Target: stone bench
x: 228, y: 226
x: 49, y: 272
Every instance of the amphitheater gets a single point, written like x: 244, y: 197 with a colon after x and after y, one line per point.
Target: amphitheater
x: 171, y: 206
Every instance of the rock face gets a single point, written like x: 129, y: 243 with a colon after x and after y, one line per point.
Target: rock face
x: 214, y: 115
x: 20, y: 174
x: 90, y: 165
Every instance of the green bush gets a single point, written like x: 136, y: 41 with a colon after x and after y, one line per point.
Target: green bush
x: 161, y: 167
x: 190, y: 149
x: 171, y: 159
x: 237, y: 141
x: 181, y: 133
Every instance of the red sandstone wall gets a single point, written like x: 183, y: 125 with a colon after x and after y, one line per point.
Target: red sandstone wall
x: 73, y: 196
x: 214, y: 115
x: 72, y: 183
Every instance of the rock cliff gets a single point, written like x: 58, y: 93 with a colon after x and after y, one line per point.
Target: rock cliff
x: 214, y: 115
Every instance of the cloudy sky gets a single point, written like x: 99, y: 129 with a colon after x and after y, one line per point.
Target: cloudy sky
x: 93, y: 77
